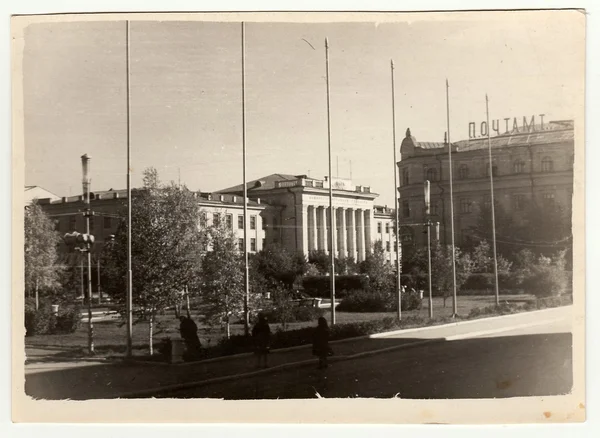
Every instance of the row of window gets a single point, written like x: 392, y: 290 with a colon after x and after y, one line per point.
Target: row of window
x: 71, y: 225
x: 387, y: 228
x: 229, y: 221
x: 519, y: 202
x: 431, y: 173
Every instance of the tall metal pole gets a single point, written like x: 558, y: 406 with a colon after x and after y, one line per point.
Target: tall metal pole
x: 428, y: 224
x: 129, y: 201
x: 487, y: 114
x: 398, y: 253
x: 331, y: 214
x: 85, y: 162
x: 454, y: 303
x: 99, y: 285
x: 246, y: 270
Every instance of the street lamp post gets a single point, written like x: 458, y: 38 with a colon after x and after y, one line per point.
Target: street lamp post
x: 85, y: 165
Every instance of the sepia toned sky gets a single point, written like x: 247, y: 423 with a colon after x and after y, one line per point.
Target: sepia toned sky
x: 186, y: 93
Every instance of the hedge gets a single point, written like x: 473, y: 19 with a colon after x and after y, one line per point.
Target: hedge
x: 44, y: 322
x: 319, y: 287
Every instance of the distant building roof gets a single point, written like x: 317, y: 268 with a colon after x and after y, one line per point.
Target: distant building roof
x: 261, y: 184
x: 37, y: 192
x: 557, y: 131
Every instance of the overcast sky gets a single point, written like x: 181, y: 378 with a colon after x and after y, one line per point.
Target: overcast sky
x: 186, y: 93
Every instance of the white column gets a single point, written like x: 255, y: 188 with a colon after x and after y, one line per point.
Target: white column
x: 312, y: 233
x: 368, y: 230
x: 332, y: 231
x: 322, y: 229
x: 360, y: 234
x: 305, y: 229
x: 342, y: 249
x: 351, y: 232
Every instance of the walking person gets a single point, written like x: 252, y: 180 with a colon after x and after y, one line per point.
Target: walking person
x: 261, y: 333
x: 189, y: 333
x: 321, y: 343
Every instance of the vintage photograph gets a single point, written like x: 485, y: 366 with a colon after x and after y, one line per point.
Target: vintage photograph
x: 300, y: 206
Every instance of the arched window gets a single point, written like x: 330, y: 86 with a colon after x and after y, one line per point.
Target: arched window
x: 494, y: 169
x: 463, y: 171
x: 405, y: 177
x: 465, y: 205
x: 547, y: 164
x: 432, y: 174
x: 518, y: 166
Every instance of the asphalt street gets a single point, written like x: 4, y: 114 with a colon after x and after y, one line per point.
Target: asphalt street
x: 528, y: 360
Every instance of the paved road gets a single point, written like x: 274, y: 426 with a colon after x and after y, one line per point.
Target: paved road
x: 529, y: 360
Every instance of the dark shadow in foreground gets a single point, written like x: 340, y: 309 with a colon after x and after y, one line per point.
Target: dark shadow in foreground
x: 497, y: 367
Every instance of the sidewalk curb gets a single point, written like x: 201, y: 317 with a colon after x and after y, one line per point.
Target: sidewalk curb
x: 339, y: 341
x: 298, y: 364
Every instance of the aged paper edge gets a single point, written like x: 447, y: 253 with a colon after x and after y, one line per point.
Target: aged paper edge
x: 568, y: 408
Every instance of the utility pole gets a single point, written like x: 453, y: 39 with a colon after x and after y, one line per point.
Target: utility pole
x: 428, y: 222
x: 85, y: 164
x: 331, y: 213
x: 454, y: 303
x: 491, y: 170
x: 398, y: 250
x: 129, y: 201
x: 247, y: 268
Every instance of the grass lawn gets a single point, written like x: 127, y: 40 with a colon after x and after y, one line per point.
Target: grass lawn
x: 110, y: 336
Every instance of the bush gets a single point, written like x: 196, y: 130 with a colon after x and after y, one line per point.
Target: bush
x: 410, y: 301
x: 485, y: 281
x: 68, y: 320
x: 39, y: 322
x: 293, y: 314
x: 364, y: 301
x: 318, y: 287
x: 546, y: 281
x: 44, y: 322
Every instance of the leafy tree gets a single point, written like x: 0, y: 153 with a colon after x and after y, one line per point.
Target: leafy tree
x: 42, y: 269
x: 222, y: 273
x: 278, y: 265
x: 380, y: 272
x: 165, y: 249
x: 321, y: 260
x: 346, y: 266
x: 483, y: 260
x: 547, y: 277
x: 441, y: 269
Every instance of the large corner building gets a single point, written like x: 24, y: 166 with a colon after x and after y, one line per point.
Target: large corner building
x: 533, y: 163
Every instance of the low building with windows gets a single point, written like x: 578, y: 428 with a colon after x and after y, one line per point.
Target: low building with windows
x: 533, y: 165
x: 109, y: 207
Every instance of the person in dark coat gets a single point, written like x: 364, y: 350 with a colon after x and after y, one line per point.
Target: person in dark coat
x: 189, y: 333
x: 261, y: 333
x: 321, y: 343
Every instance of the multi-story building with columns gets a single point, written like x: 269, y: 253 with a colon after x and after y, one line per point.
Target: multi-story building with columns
x: 530, y: 164
x: 298, y: 217
x: 289, y: 210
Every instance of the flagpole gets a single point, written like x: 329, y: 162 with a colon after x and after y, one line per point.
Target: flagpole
x: 398, y: 254
x: 246, y: 270
x: 331, y: 214
x: 454, y: 302
x: 129, y: 268
x: 487, y: 113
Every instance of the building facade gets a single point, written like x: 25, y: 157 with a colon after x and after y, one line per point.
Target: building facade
x: 110, y: 206
x: 533, y: 164
x: 299, y: 217
x: 288, y: 210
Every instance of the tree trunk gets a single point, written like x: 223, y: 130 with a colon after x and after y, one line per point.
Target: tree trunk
x: 187, y: 302
x: 227, y: 328
x: 151, y: 327
x: 37, y: 296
